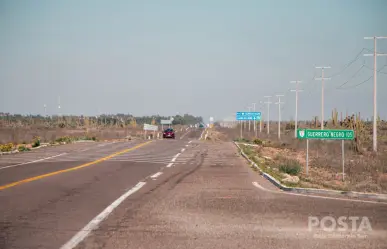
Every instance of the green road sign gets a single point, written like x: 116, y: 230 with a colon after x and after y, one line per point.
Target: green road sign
x: 325, y: 134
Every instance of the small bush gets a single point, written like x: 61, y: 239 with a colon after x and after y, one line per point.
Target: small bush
x: 290, y: 166
x: 258, y: 141
x: 23, y: 148
x: 6, y: 147
x: 248, y: 151
x: 36, y: 142
x: 290, y: 126
x: 65, y: 139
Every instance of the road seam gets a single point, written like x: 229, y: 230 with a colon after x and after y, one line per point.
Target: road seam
x: 71, y: 169
x: 94, y: 223
x: 35, y: 161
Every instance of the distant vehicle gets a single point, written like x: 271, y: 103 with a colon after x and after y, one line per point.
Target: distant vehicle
x: 201, y: 126
x: 169, y: 133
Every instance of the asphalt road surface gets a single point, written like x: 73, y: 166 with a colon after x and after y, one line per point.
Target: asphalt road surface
x: 182, y: 193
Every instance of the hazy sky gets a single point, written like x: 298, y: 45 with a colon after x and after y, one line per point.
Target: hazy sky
x: 203, y: 57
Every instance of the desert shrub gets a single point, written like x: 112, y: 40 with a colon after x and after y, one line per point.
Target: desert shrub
x: 242, y: 140
x: 36, y: 142
x: 23, y: 148
x: 290, y: 166
x: 6, y: 147
x: 65, y: 139
x: 290, y: 126
x: 258, y: 141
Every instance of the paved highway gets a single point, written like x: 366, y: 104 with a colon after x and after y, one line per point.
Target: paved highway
x: 181, y: 193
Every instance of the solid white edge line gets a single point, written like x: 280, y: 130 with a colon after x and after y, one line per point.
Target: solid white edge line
x: 94, y: 223
x: 156, y: 175
x: 169, y: 165
x: 256, y: 184
x: 35, y: 161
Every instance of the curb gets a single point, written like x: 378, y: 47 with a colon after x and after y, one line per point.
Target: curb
x: 312, y: 190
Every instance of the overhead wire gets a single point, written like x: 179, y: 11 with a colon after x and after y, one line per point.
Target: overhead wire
x: 353, y: 76
x: 361, y: 83
x: 379, y: 70
x: 348, y: 64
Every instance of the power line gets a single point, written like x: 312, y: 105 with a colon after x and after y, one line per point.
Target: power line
x: 357, y: 84
x: 379, y: 70
x: 349, y: 63
x: 353, y: 76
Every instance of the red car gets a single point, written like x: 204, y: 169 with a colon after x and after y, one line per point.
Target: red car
x: 169, y: 133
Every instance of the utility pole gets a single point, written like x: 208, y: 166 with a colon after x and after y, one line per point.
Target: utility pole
x: 279, y: 114
x: 254, y: 122
x: 322, y: 93
x: 260, y: 121
x: 296, y: 118
x: 58, y: 109
x: 249, y: 120
x: 45, y: 110
x: 268, y: 113
x: 375, y: 55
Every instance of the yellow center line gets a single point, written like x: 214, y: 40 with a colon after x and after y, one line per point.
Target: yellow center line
x: 71, y: 169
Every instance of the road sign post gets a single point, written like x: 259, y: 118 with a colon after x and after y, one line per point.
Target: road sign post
x: 325, y: 135
x: 307, y: 156
x: 243, y: 116
x: 342, y: 155
x: 148, y: 127
x: 241, y: 128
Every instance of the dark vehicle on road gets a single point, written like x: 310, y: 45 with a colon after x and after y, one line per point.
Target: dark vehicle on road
x: 169, y: 133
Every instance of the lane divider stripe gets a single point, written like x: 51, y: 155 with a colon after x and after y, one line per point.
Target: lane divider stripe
x: 35, y: 161
x: 156, y: 175
x: 94, y: 223
x: 71, y: 169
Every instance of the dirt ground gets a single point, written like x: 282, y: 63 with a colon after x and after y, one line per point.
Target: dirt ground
x: 364, y: 172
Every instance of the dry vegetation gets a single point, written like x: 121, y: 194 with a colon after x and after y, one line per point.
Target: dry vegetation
x: 365, y: 170
x: 18, y: 129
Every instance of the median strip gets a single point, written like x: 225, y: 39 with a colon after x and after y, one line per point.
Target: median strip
x: 71, y: 169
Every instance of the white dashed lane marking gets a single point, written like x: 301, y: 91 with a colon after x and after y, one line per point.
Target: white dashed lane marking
x: 94, y: 223
x: 35, y: 161
x: 156, y: 175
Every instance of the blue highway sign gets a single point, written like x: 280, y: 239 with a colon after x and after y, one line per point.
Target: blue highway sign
x: 248, y: 116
